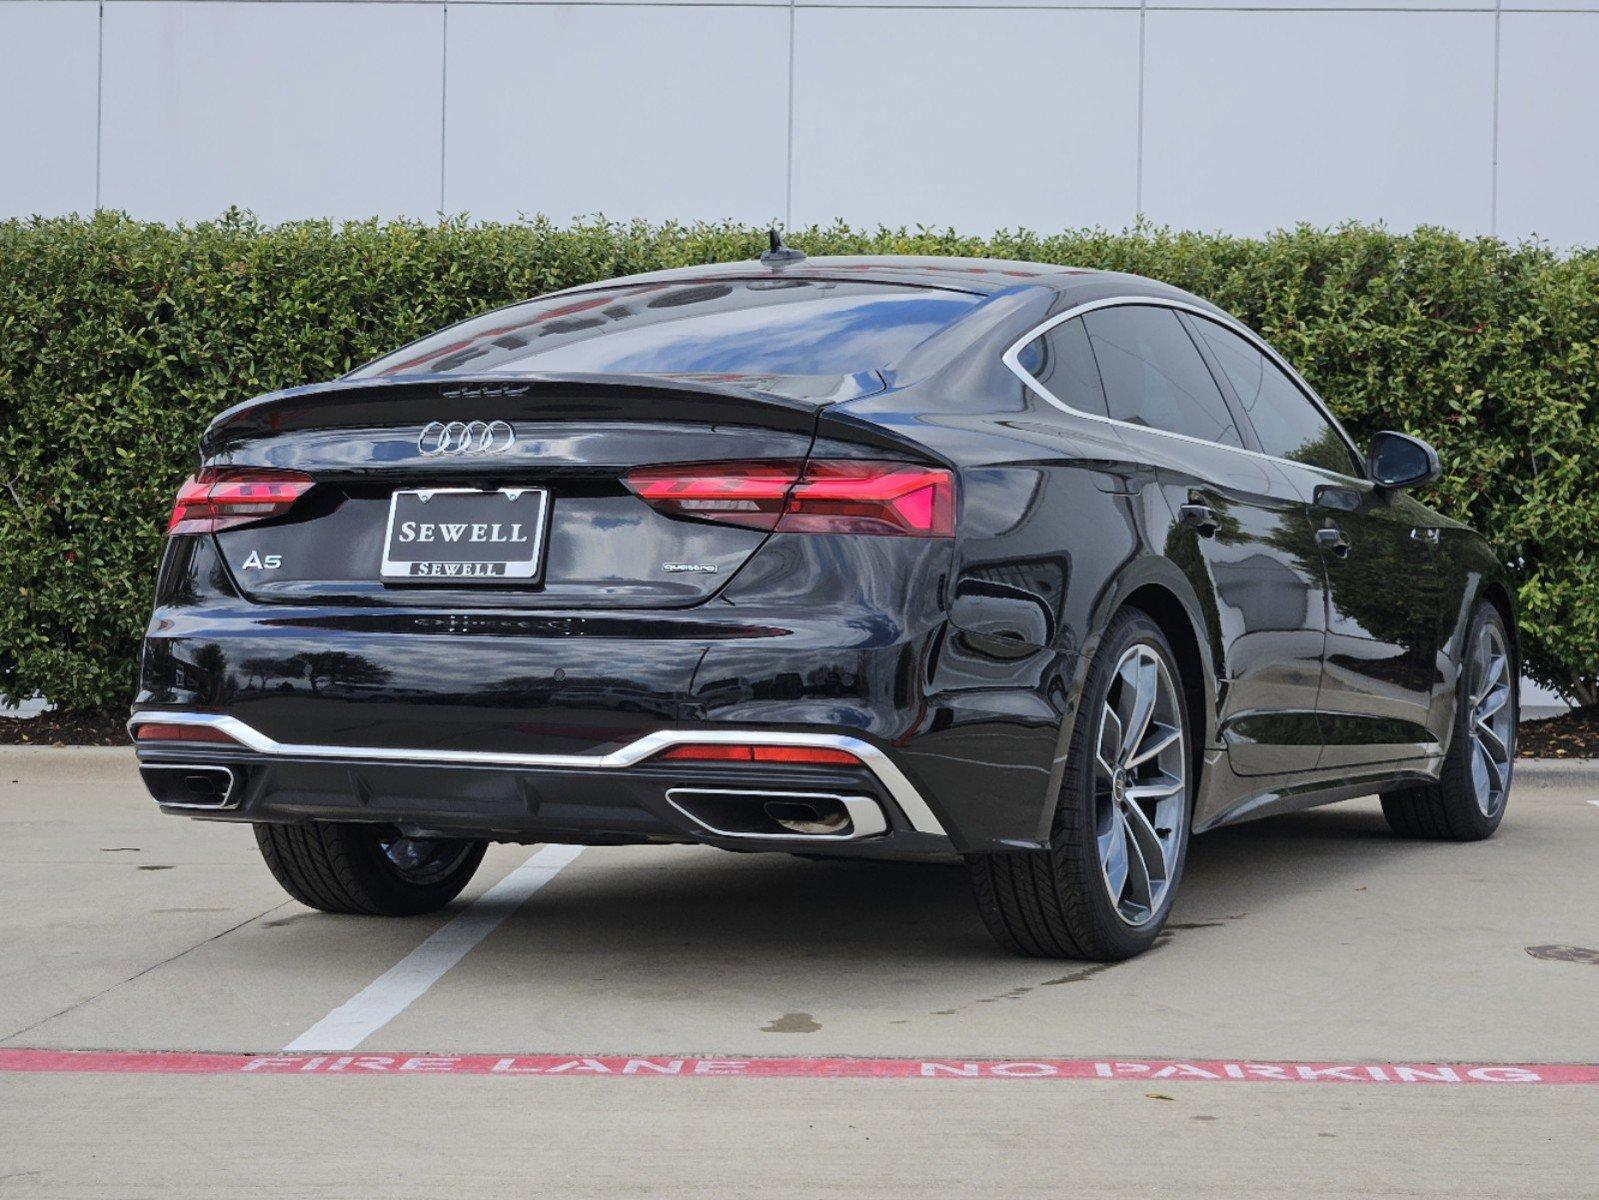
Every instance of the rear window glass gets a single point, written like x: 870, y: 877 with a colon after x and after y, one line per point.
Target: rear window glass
x: 757, y: 327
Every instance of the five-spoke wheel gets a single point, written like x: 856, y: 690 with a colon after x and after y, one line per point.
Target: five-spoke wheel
x: 1493, y: 725
x: 1140, y: 778
x: 1103, y: 888
x: 1468, y: 801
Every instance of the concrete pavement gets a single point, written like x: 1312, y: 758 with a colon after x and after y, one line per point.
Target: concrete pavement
x: 1315, y: 937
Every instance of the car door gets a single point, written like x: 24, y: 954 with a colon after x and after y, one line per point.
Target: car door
x: 1379, y: 551
x: 1240, y: 532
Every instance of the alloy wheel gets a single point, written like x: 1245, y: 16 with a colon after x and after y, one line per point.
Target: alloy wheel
x: 1140, y: 785
x: 423, y: 860
x: 1492, y: 720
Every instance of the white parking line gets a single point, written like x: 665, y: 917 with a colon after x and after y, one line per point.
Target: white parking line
x: 392, y: 992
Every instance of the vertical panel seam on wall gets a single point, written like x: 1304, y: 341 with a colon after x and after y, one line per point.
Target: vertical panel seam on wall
x: 1493, y: 169
x: 788, y: 157
x: 1138, y: 154
x: 444, y: 97
x: 99, y: 96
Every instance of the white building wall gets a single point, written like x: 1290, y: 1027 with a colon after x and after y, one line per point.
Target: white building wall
x: 1480, y: 116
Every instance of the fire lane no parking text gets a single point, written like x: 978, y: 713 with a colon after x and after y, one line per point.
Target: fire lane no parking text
x: 645, y: 1067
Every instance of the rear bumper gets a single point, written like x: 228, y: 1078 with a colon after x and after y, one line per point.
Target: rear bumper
x: 623, y: 795
x: 806, y: 641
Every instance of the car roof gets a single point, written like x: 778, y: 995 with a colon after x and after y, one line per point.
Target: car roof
x: 982, y: 276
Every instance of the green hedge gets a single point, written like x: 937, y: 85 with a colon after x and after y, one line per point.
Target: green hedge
x: 119, y: 340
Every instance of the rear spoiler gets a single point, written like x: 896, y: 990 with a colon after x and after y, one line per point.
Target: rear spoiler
x: 787, y: 402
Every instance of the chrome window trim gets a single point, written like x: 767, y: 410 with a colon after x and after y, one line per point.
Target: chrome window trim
x: 879, y: 764
x: 1012, y: 359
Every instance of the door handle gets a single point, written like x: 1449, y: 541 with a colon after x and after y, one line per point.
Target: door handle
x: 1200, y: 517
x: 1330, y: 537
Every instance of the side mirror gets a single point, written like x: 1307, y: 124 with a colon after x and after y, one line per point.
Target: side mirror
x: 1398, y: 460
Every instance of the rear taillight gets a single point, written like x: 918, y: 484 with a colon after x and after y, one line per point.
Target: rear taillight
x: 166, y: 731
x: 222, y: 498
x: 721, y: 752
x: 892, y: 499
x: 750, y: 494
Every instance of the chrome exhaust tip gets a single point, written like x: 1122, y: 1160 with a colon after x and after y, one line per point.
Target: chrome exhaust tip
x: 809, y: 817
x: 763, y: 815
x: 191, y: 786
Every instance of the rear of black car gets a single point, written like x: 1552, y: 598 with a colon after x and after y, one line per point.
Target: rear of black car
x: 595, y: 569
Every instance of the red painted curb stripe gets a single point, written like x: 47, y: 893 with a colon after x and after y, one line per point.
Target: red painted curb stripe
x: 641, y: 1067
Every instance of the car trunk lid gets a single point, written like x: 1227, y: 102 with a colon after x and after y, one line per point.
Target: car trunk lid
x: 485, y: 461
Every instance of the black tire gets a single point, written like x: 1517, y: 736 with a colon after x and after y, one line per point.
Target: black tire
x: 1056, y: 903
x: 348, y: 868
x: 1449, y: 810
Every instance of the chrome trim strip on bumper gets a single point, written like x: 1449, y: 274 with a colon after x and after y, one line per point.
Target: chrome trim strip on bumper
x: 879, y: 764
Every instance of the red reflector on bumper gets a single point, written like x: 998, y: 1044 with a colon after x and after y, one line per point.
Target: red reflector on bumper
x: 166, y: 731
x: 711, y: 752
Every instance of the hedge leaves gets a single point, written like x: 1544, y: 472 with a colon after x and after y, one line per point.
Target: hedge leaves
x: 119, y: 340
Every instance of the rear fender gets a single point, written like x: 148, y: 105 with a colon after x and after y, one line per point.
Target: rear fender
x: 1157, y: 587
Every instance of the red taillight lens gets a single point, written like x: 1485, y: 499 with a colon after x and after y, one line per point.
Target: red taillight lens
x: 750, y: 494
x: 892, y: 499
x: 714, y: 752
x: 162, y: 731
x: 221, y: 499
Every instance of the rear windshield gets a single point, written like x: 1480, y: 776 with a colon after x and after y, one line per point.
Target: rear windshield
x: 757, y: 327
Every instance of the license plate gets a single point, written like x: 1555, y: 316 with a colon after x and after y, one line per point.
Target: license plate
x: 460, y: 535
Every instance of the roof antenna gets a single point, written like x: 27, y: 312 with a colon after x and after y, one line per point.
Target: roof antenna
x: 780, y: 255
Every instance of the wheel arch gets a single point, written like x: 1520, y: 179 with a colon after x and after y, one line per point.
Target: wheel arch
x: 1497, y: 593
x: 1168, y: 612
x: 1158, y: 589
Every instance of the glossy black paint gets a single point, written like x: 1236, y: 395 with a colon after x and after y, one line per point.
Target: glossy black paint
x: 1318, y: 615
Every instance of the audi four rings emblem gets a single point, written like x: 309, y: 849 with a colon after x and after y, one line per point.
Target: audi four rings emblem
x: 465, y: 437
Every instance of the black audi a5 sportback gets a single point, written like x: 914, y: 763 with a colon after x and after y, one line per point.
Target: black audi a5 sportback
x: 895, y: 557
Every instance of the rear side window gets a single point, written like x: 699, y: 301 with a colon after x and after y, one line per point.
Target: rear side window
x: 734, y: 327
x: 1286, y: 422
x: 1155, y: 376
x: 1063, y: 363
